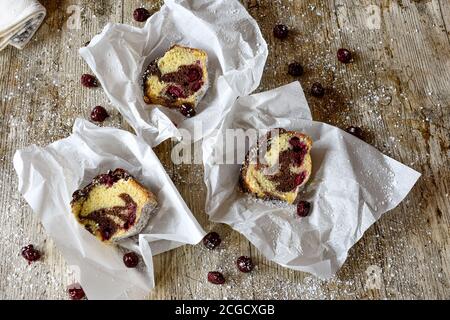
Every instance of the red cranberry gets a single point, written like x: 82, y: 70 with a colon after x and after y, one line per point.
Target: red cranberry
x: 76, y: 292
x: 194, y: 74
x: 195, y: 86
x: 295, y: 69
x: 303, y: 208
x: 30, y: 253
x: 131, y: 259
x: 280, y: 31
x: 174, y: 92
x: 212, y: 240
x: 356, y: 131
x: 317, y: 90
x: 106, y: 179
x: 187, y: 110
x: 106, y: 233
x: 99, y: 114
x: 245, y: 264
x: 300, y: 178
x: 344, y: 55
x: 141, y: 14
x: 296, y: 144
x: 216, y: 277
x: 89, y: 81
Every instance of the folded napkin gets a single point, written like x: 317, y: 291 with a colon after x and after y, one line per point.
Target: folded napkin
x: 19, y: 20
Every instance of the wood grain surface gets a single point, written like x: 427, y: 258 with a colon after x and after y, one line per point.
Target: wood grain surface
x: 397, y: 89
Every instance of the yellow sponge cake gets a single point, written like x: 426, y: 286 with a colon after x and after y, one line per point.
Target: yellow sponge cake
x: 113, y: 206
x: 278, y: 166
x: 179, y: 79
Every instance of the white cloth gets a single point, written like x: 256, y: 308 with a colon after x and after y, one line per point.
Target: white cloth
x: 19, y: 20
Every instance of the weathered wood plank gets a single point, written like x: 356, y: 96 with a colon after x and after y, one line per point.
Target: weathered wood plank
x: 397, y: 90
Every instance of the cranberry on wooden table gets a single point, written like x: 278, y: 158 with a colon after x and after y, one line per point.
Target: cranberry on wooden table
x: 212, y: 240
x: 245, y: 264
x: 295, y: 69
x: 89, y: 81
x: 344, y: 55
x: 76, y: 292
x: 280, y: 31
x: 317, y: 90
x: 141, y: 14
x: 30, y: 253
x: 99, y: 114
x: 216, y: 277
x: 356, y: 131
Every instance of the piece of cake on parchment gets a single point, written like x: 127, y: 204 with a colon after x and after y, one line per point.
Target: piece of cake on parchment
x: 278, y: 166
x: 113, y: 206
x: 179, y: 79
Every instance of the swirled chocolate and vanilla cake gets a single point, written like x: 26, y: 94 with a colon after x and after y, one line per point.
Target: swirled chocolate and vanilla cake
x: 278, y: 166
x: 113, y: 206
x: 179, y: 79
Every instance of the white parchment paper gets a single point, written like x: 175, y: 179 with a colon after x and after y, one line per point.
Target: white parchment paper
x: 47, y: 178
x: 236, y: 51
x: 351, y: 186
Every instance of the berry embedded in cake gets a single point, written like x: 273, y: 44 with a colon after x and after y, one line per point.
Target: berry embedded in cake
x: 179, y: 79
x: 278, y: 166
x: 113, y: 206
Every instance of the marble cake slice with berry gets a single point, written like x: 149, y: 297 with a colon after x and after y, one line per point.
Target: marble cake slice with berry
x: 278, y: 166
x: 179, y: 79
x: 113, y: 206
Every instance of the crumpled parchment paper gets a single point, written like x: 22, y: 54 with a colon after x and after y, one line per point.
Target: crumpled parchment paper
x: 351, y: 186
x: 237, y: 53
x: 49, y: 175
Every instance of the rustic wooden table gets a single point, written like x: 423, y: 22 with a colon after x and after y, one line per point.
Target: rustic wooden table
x: 398, y: 90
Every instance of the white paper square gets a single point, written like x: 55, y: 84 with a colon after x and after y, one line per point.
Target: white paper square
x: 351, y: 186
x: 47, y: 178
x: 237, y: 53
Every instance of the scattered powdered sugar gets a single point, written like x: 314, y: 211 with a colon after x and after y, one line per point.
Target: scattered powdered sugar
x: 41, y: 109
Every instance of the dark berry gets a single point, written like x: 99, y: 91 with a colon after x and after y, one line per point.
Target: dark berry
x: 344, y: 55
x: 30, y: 253
x: 216, y: 277
x: 317, y: 90
x: 141, y: 14
x: 296, y: 142
x: 194, y: 74
x: 295, y: 69
x: 212, y: 240
x: 300, y: 178
x: 131, y: 259
x: 195, y: 86
x: 280, y: 31
x: 99, y: 114
x: 187, y: 110
x: 175, y: 92
x: 245, y: 264
x: 303, y: 208
x: 106, y: 179
x: 76, y: 292
x: 89, y: 81
x: 356, y: 131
